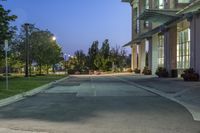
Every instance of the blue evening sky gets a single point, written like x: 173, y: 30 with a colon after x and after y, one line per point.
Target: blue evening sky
x: 77, y: 23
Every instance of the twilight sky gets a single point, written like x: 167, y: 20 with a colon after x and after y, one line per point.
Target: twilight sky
x: 77, y: 23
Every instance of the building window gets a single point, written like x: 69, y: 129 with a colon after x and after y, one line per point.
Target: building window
x: 161, y: 51
x: 161, y: 4
x: 184, y: 1
x: 147, y: 4
x: 183, y: 49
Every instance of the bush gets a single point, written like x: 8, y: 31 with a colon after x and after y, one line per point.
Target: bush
x: 162, y: 72
x: 146, y: 71
x: 84, y: 70
x: 190, y: 75
x: 8, y: 74
x: 129, y: 70
x: 40, y: 75
x: 77, y: 73
x: 137, y: 71
x: 71, y: 71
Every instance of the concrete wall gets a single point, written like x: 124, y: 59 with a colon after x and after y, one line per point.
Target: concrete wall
x: 170, y: 49
x: 154, y: 53
x: 195, y: 43
x: 134, y: 57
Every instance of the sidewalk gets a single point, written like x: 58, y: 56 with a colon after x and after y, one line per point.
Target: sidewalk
x: 185, y: 93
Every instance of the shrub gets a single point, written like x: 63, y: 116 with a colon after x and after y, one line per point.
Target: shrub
x: 4, y: 74
x: 84, y: 70
x: 71, y: 71
x: 77, y: 73
x: 147, y: 71
x: 162, y: 72
x: 129, y: 70
x: 39, y: 74
x: 190, y: 75
x: 137, y: 71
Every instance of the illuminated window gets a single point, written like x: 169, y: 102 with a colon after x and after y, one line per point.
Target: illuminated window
x: 161, y: 4
x: 147, y: 4
x: 183, y: 1
x: 183, y: 49
x: 161, y: 51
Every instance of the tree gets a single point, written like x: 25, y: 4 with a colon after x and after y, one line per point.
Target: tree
x: 6, y: 31
x: 81, y: 59
x: 118, y: 57
x: 45, y: 51
x: 92, y: 53
x: 18, y: 47
x: 18, y: 43
x: 102, y: 61
x: 105, y: 49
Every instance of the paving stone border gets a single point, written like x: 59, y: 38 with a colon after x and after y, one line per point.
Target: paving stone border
x: 18, y: 97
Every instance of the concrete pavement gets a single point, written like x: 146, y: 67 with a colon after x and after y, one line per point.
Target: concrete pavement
x: 175, y: 89
x: 102, y: 104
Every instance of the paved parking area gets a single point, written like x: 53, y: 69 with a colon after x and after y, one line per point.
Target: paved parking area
x: 97, y: 105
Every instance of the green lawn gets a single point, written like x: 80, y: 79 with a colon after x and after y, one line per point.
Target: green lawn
x: 21, y: 84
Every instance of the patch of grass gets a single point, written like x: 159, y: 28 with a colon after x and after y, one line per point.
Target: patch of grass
x: 21, y: 84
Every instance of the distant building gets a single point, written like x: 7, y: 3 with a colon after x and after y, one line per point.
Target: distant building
x: 169, y: 31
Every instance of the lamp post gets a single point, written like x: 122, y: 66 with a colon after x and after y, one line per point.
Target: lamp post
x: 53, y: 38
x: 65, y: 59
x: 6, y: 48
x: 26, y: 27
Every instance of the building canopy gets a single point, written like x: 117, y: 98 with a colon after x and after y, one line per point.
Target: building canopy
x: 193, y: 7
x: 158, y: 15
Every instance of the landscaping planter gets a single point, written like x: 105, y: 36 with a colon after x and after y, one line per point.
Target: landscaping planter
x: 190, y: 75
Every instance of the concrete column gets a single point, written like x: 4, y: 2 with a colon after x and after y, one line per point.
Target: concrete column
x: 195, y: 43
x: 170, y: 49
x: 154, y: 53
x: 134, y: 57
x: 150, y: 56
x: 142, y: 55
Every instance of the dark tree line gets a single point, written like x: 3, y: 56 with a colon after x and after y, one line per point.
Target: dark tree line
x: 105, y: 58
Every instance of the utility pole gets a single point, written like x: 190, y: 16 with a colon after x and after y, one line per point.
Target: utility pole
x: 26, y: 27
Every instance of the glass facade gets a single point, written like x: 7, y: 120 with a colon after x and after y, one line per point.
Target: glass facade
x: 161, y: 51
x: 183, y: 49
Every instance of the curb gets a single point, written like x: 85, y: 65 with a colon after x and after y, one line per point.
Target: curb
x: 194, y: 110
x: 23, y: 95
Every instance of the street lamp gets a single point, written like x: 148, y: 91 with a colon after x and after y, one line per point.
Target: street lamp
x: 54, y: 38
x: 65, y: 60
x: 26, y: 27
x: 6, y: 48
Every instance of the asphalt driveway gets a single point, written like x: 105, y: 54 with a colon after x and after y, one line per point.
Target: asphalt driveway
x: 103, y: 104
